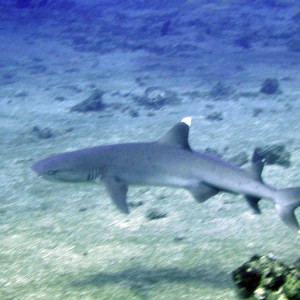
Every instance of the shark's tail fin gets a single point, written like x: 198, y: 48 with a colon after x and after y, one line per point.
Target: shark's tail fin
x: 287, y: 200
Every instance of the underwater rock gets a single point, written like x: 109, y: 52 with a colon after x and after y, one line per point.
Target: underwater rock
x: 221, y: 91
x: 154, y: 213
x: 135, y: 204
x: 92, y: 103
x: 60, y: 98
x: 22, y: 94
x: 215, y: 116
x: 246, y: 280
x: 133, y: 113
x: 83, y: 208
x: 157, y: 97
x: 42, y: 133
x: 257, y: 111
x: 179, y: 238
x: 270, y: 86
x: 264, y: 277
x: 275, y: 154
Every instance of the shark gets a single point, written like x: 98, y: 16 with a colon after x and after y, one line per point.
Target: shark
x: 169, y: 162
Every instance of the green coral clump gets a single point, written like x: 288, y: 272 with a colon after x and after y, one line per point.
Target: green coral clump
x: 291, y: 286
x: 264, y: 277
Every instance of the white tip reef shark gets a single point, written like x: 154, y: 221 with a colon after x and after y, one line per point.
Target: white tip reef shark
x: 170, y: 161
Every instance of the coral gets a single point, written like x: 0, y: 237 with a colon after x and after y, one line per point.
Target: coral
x: 264, y: 277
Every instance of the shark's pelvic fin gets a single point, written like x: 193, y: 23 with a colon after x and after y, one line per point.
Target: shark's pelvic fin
x: 253, y: 203
x: 118, y: 192
x: 178, y: 135
x: 203, y: 192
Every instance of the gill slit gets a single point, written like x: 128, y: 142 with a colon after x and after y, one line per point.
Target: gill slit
x: 94, y: 174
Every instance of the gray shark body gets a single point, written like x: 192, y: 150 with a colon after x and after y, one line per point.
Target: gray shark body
x: 168, y: 162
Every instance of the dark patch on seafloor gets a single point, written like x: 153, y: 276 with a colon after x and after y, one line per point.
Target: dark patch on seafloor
x: 270, y: 86
x: 155, y: 213
x: 93, y: 103
x: 141, y: 279
x: 275, y: 154
x: 42, y: 133
x: 221, y: 91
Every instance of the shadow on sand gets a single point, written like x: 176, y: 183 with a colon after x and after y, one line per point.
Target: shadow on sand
x: 141, y: 279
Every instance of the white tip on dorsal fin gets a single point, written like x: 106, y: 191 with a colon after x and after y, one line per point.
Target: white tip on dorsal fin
x: 187, y: 121
x: 178, y: 135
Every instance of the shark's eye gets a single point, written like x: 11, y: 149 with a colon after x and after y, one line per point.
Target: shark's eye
x: 51, y: 172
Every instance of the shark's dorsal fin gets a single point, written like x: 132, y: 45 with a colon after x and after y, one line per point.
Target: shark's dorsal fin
x: 178, y: 135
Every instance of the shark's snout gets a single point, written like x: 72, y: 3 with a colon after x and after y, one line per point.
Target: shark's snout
x: 41, y: 167
x: 36, y: 168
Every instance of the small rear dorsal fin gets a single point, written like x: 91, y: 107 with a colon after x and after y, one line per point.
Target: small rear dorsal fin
x: 255, y: 170
x: 256, y: 167
x: 178, y: 135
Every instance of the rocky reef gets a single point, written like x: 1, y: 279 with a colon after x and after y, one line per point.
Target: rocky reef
x: 264, y: 277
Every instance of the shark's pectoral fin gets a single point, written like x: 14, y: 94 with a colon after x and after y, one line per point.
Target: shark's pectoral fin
x: 201, y: 192
x: 118, y: 192
x: 253, y: 203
